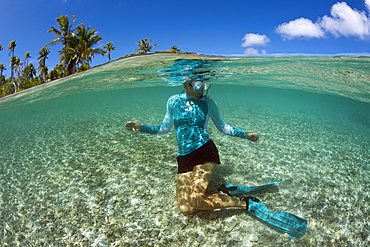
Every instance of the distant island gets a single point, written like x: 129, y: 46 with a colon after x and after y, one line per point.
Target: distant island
x: 78, y: 51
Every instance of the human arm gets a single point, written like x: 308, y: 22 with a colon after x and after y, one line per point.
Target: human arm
x: 163, y: 128
x: 225, y: 128
x: 133, y: 126
x: 252, y: 136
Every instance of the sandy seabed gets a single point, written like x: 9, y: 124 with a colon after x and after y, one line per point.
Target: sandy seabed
x: 92, y: 183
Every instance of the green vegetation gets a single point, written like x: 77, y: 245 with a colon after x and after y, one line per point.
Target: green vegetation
x: 144, y: 46
x: 78, y: 43
x: 174, y: 49
x: 64, y: 32
x: 109, y: 47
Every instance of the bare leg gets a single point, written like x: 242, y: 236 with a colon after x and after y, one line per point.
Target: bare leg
x: 191, y: 188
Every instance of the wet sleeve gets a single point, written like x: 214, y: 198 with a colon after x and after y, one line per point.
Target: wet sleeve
x: 166, y: 126
x: 214, y: 113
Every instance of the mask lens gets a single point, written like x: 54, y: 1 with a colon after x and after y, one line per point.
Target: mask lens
x: 199, y: 86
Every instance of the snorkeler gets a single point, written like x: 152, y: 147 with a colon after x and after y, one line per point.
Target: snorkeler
x: 197, y: 154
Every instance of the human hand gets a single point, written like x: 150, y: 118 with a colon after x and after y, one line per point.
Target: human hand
x: 252, y: 137
x: 133, y: 126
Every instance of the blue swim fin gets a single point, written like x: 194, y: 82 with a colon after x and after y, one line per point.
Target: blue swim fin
x: 233, y: 190
x: 282, y: 222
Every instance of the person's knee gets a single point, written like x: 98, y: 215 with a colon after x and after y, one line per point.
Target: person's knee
x: 187, y: 210
x: 184, y: 210
x: 196, y: 199
x: 187, y: 205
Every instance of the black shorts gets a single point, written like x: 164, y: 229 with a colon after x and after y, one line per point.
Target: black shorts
x: 206, y: 153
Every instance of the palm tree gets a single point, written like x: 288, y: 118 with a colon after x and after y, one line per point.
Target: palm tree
x: 80, y: 48
x: 174, y: 49
x: 26, y: 57
x: 11, y: 49
x: 64, y: 33
x: 57, y: 72
x: 43, y: 70
x: 43, y: 55
x: 2, y: 68
x: 59, y: 69
x: 19, y: 69
x: 30, y: 71
x: 90, y: 38
x: 144, y: 45
x: 109, y: 47
x: 15, y: 63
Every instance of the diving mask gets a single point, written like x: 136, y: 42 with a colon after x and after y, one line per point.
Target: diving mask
x: 202, y: 87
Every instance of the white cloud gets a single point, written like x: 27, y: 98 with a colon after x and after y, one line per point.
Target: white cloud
x: 251, y: 51
x: 251, y: 39
x: 343, y: 21
x: 346, y: 21
x: 301, y: 27
x: 367, y: 4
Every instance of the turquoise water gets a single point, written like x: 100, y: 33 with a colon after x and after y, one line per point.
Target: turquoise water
x: 71, y: 174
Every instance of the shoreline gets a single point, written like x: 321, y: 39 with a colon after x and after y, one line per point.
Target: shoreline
x: 180, y: 54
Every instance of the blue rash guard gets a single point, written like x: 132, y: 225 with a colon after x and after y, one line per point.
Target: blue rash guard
x: 190, y: 117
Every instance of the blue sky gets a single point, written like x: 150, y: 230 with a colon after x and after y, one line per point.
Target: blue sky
x: 220, y: 27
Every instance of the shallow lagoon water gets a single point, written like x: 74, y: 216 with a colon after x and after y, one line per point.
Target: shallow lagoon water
x: 72, y: 175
